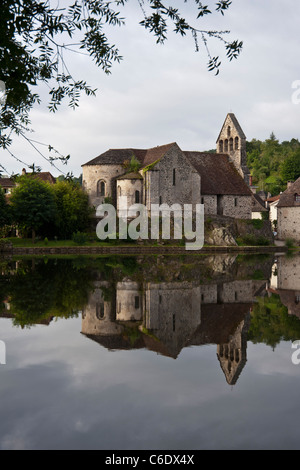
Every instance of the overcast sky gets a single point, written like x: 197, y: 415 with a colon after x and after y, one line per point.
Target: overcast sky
x: 160, y: 94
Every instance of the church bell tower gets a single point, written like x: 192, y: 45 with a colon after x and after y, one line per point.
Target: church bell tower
x: 232, y: 141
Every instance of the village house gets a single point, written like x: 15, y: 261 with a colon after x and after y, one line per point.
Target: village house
x: 166, y: 174
x: 288, y: 212
x: 8, y: 184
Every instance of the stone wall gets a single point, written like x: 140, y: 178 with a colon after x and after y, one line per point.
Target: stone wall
x: 238, y: 207
x: 128, y: 188
x: 92, y: 174
x: 173, y: 180
x: 288, y: 223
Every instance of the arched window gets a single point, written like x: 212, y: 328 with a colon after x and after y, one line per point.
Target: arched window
x: 137, y: 197
x: 221, y: 146
x: 231, y: 144
x: 226, y: 145
x: 236, y: 143
x: 100, y: 310
x: 228, y: 131
x: 101, y: 188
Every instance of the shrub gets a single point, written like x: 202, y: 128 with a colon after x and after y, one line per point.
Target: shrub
x: 79, y: 238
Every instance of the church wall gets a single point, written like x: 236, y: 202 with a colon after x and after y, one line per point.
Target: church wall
x: 173, y: 180
x: 210, y: 205
x: 94, y: 173
x: 128, y: 188
x: 239, y: 207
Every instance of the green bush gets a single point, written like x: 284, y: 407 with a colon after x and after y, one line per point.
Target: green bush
x: 79, y: 238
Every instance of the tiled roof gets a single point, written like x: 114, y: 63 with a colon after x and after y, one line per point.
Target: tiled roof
x: 273, y: 198
x: 7, y: 183
x: 118, y: 156
x: 44, y: 176
x: 287, y: 198
x: 258, y: 204
x: 130, y: 176
x: 218, y: 174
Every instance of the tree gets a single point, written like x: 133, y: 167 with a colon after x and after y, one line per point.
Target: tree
x: 33, y: 204
x: 35, y: 36
x: 290, y: 170
x: 72, y: 208
x: 4, y: 209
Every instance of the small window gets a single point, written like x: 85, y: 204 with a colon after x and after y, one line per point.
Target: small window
x: 235, y: 202
x: 101, y: 188
x: 202, y: 200
x: 160, y: 200
x: 174, y: 177
x: 137, y: 197
x: 136, y: 302
x: 228, y: 131
x: 297, y: 197
x: 221, y: 146
x: 226, y: 145
x: 100, y: 310
x: 231, y: 144
x: 236, y: 143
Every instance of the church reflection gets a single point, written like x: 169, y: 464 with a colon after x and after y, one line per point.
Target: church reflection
x: 166, y: 317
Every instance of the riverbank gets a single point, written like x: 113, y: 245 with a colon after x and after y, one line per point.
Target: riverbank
x: 135, y: 250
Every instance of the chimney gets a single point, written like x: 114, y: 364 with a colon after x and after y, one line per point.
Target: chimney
x: 289, y: 184
x: 23, y: 171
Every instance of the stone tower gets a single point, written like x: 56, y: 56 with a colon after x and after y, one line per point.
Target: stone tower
x: 232, y: 141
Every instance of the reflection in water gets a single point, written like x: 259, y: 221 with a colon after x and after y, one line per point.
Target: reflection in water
x: 162, y: 304
x: 166, y: 317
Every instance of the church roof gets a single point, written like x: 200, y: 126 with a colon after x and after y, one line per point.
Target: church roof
x: 118, y: 156
x: 130, y: 176
x: 218, y: 174
x: 287, y: 198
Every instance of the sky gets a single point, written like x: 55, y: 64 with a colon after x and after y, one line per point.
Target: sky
x: 164, y: 93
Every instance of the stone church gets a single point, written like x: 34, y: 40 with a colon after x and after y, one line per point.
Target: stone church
x: 167, y: 174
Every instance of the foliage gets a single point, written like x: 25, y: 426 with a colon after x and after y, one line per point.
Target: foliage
x: 132, y: 165
x: 33, y: 204
x: 40, y: 291
x: 38, y: 36
x: 72, y: 208
x: 272, y: 164
x: 271, y: 323
x: 4, y: 210
x: 79, y: 238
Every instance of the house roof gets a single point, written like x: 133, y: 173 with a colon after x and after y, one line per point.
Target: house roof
x: 236, y: 125
x: 287, y: 198
x: 118, y: 156
x: 273, y: 198
x: 258, y: 204
x: 45, y: 176
x: 218, y: 174
x: 7, y: 183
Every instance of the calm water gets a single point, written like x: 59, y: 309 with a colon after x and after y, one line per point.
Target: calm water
x: 150, y: 353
